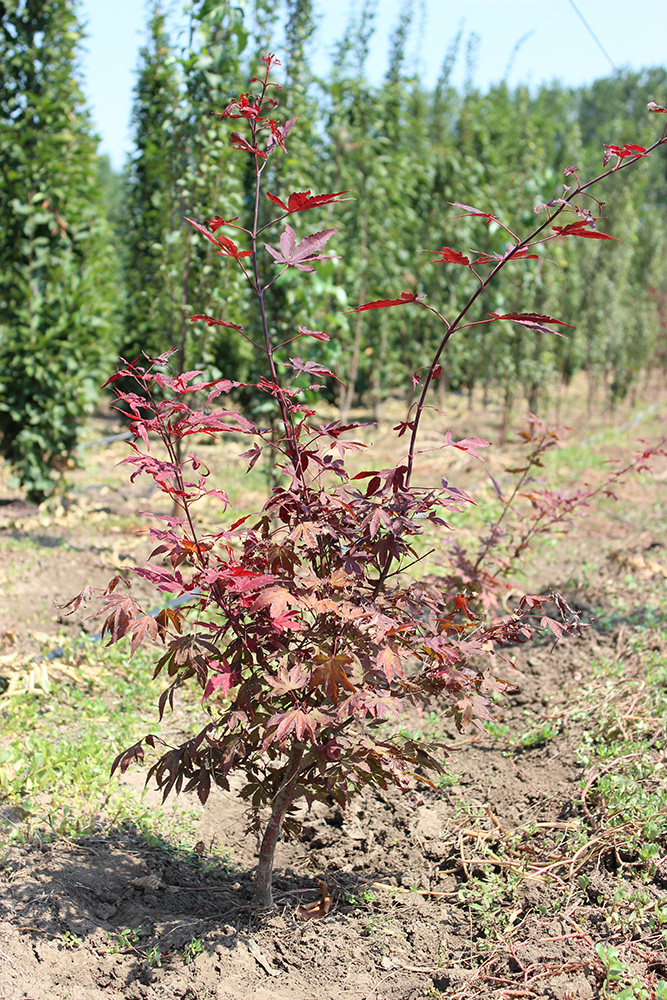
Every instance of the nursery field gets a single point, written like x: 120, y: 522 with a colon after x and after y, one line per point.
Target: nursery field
x: 536, y: 866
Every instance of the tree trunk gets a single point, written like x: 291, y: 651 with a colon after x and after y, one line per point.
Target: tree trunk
x: 281, y: 803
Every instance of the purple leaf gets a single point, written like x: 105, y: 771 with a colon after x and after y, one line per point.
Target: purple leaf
x: 298, y: 255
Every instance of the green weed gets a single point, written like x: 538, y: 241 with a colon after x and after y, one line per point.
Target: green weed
x: 192, y: 949
x: 54, y: 765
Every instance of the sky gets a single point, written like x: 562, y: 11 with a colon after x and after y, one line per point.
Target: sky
x: 553, y: 43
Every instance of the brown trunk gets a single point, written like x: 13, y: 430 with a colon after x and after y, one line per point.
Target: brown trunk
x: 281, y: 803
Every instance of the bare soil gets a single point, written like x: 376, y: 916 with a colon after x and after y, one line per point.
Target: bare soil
x: 423, y: 903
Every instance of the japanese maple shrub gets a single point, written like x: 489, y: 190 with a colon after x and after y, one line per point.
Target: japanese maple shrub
x: 303, y: 625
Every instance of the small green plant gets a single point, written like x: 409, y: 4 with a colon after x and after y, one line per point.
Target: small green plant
x: 192, y: 949
x: 69, y: 940
x: 154, y: 957
x: 493, y: 902
x: 620, y: 984
x: 128, y: 938
x: 363, y: 898
x: 539, y: 736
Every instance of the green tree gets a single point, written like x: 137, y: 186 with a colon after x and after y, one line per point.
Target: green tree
x: 57, y: 269
x: 177, y: 169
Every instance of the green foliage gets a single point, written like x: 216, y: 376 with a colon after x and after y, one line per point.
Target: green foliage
x: 405, y: 153
x: 169, y: 275
x: 57, y: 268
x: 54, y: 768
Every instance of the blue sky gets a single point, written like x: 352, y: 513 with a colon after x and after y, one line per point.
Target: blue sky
x: 556, y: 45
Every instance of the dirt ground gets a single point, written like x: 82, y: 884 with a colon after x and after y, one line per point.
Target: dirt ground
x: 425, y: 904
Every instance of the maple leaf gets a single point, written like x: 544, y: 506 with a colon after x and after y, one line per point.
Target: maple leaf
x: 238, y: 142
x: 214, y: 322
x: 296, y: 721
x: 83, y: 598
x: 386, y: 303
x: 449, y: 256
x: 300, y: 254
x: 216, y: 222
x: 622, y: 152
x: 469, y: 445
x: 534, y: 321
x: 469, y: 210
x: 142, y: 627
x: 389, y: 662
x: 223, y: 680
x: 300, y: 201
x: 317, y: 334
x: 160, y: 577
x: 275, y: 598
x: 226, y: 247
x: 330, y: 673
x: 287, y: 681
x: 310, y: 368
x: 252, y: 455
x: 279, y: 133
x: 495, y: 258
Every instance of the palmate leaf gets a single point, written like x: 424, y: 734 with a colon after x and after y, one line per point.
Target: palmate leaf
x: 623, y: 152
x: 470, y: 445
x: 405, y: 298
x: 534, y: 321
x: 210, y: 321
x: 584, y: 229
x: 469, y: 210
x: 330, y: 673
x: 449, y: 256
x: 300, y: 255
x: 300, y: 201
x: 226, y: 247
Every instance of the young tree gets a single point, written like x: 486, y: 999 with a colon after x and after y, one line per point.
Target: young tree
x: 306, y: 629
x: 58, y: 272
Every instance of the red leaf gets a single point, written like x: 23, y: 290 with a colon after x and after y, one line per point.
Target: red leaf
x: 238, y: 142
x: 317, y: 334
x: 469, y: 210
x: 141, y: 627
x: 162, y: 579
x: 215, y: 223
x: 385, y: 303
x: 623, y: 151
x: 226, y: 247
x: 310, y: 368
x: 223, y: 681
x: 461, y: 605
x: 534, y: 321
x: 524, y: 254
x: 300, y: 255
x: 214, y: 322
x: 203, y: 230
x: 495, y: 258
x: 449, y: 256
x: 389, y: 662
x: 469, y: 445
x: 583, y: 229
x: 277, y: 201
x: 279, y: 133
x: 300, y: 201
